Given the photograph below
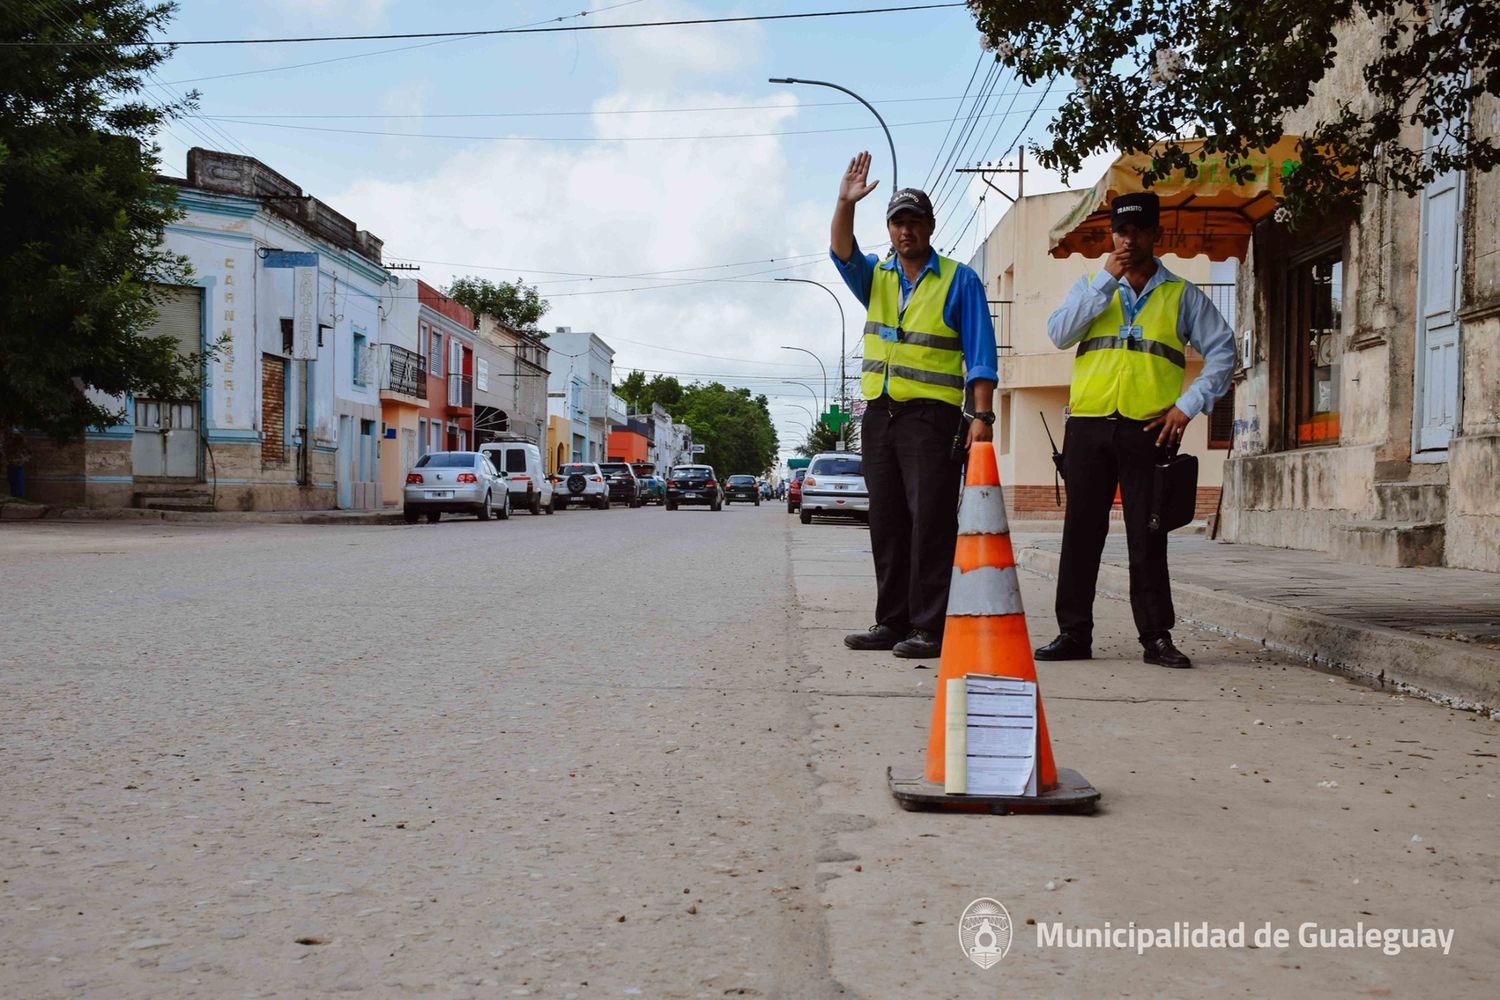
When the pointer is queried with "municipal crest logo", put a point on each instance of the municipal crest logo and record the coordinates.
(985, 932)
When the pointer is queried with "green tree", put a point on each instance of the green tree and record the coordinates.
(82, 219)
(1149, 71)
(734, 427)
(515, 304)
(823, 438)
(641, 394)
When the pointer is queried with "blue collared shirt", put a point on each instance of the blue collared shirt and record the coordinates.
(1199, 325)
(967, 310)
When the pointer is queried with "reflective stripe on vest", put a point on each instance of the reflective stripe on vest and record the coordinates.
(1139, 377)
(925, 360)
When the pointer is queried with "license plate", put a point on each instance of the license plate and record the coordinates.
(440, 494)
(690, 495)
(841, 486)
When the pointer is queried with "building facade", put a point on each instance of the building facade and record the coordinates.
(289, 296)
(510, 384)
(1367, 410)
(446, 328)
(1025, 284)
(578, 389)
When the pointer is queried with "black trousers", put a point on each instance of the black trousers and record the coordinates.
(913, 481)
(1100, 453)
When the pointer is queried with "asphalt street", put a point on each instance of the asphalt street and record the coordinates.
(623, 753)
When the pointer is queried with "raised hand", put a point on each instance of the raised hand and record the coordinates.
(855, 184)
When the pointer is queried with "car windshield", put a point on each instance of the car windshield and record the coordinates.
(691, 472)
(644, 471)
(617, 469)
(840, 466)
(576, 470)
(741, 480)
(447, 460)
(800, 475)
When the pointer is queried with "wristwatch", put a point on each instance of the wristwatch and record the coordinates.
(984, 416)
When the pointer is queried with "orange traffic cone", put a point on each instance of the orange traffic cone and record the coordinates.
(986, 634)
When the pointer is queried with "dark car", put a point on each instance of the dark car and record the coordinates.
(694, 484)
(742, 488)
(794, 490)
(620, 478)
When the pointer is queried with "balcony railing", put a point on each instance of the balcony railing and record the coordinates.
(460, 392)
(1000, 310)
(403, 371)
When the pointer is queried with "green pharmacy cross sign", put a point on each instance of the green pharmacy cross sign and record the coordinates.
(835, 418)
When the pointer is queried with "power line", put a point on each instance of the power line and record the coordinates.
(491, 32)
(382, 52)
(601, 113)
(578, 138)
(927, 179)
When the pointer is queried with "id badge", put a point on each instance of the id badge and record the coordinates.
(889, 333)
(1132, 331)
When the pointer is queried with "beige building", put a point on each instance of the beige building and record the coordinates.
(1367, 414)
(1025, 285)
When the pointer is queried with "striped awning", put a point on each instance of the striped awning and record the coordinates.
(1210, 215)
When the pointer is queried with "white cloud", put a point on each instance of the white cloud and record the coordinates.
(360, 12)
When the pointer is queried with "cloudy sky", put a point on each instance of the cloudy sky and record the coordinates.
(649, 181)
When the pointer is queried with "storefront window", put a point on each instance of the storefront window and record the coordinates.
(1314, 320)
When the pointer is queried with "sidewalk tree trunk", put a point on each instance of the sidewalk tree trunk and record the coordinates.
(82, 220)
(1145, 72)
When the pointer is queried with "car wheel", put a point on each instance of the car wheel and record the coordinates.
(409, 516)
(670, 505)
(486, 509)
(805, 516)
(791, 508)
(556, 505)
(433, 517)
(757, 503)
(535, 506)
(716, 505)
(504, 511)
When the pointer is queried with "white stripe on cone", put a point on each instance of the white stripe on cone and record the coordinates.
(987, 590)
(982, 512)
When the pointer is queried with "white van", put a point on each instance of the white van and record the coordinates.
(530, 489)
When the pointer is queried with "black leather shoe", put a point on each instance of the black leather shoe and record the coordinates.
(1161, 652)
(1065, 647)
(876, 637)
(919, 645)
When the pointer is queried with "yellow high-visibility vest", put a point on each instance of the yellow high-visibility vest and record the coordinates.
(920, 356)
(1134, 369)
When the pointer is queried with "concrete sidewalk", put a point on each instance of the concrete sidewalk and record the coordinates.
(1428, 631)
(20, 510)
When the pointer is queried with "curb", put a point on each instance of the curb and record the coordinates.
(1454, 674)
(43, 512)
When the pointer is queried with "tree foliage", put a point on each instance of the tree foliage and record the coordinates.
(824, 438)
(82, 219)
(641, 393)
(1150, 71)
(516, 304)
(734, 426)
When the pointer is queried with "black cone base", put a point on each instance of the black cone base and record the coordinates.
(1073, 794)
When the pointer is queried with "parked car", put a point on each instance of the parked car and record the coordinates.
(452, 482)
(580, 483)
(521, 461)
(835, 486)
(694, 484)
(794, 490)
(742, 488)
(620, 478)
(653, 487)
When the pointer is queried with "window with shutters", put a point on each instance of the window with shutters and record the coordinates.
(286, 336)
(1221, 421)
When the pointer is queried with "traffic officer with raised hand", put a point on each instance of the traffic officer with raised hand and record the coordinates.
(1130, 324)
(928, 334)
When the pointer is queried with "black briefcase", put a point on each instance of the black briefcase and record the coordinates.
(1174, 491)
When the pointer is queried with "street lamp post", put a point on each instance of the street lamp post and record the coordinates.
(803, 385)
(820, 367)
(895, 186)
(843, 326)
